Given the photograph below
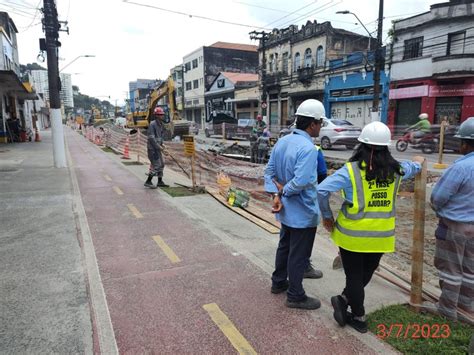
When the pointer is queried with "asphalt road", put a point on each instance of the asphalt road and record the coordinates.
(340, 152)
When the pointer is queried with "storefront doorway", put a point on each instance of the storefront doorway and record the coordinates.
(449, 108)
(407, 113)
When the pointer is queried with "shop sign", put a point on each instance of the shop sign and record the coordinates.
(409, 92)
(452, 90)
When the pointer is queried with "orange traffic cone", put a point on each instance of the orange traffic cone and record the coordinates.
(37, 136)
(126, 153)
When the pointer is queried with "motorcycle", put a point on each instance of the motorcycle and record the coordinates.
(428, 143)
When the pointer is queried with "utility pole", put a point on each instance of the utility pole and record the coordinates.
(378, 66)
(51, 28)
(262, 36)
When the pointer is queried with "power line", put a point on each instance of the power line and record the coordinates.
(192, 15)
(291, 13)
(322, 8)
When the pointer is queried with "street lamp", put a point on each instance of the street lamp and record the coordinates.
(346, 12)
(80, 56)
(378, 58)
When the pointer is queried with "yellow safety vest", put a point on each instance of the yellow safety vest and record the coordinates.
(368, 224)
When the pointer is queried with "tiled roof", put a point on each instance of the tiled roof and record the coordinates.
(240, 77)
(238, 46)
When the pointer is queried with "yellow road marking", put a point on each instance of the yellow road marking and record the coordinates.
(117, 190)
(230, 331)
(166, 249)
(134, 210)
(107, 177)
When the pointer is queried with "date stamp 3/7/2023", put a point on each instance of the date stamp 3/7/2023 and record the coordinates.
(413, 331)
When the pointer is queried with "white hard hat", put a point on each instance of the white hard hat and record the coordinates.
(375, 133)
(311, 108)
(423, 116)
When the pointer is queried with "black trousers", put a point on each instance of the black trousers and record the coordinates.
(294, 250)
(359, 268)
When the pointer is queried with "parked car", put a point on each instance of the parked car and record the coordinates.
(338, 132)
(214, 127)
(333, 132)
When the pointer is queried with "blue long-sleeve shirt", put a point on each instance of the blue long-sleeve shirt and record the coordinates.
(294, 163)
(341, 180)
(453, 195)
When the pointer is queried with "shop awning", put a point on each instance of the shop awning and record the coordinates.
(11, 84)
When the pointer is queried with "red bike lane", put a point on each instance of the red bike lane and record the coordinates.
(161, 270)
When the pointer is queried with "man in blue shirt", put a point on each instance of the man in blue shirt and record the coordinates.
(291, 176)
(452, 200)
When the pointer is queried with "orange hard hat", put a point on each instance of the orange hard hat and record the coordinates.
(158, 111)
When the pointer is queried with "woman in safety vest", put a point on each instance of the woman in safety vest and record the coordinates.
(365, 226)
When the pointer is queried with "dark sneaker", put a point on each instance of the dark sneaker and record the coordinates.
(340, 309)
(149, 184)
(161, 184)
(308, 303)
(279, 289)
(360, 326)
(312, 273)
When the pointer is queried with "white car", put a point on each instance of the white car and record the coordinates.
(338, 132)
(121, 121)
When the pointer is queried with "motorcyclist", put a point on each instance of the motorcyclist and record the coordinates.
(420, 129)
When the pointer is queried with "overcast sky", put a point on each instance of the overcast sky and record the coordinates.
(130, 41)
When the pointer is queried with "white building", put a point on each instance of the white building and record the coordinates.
(39, 80)
(15, 112)
(202, 66)
(433, 65)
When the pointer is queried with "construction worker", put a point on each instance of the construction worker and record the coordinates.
(310, 272)
(259, 126)
(365, 226)
(421, 128)
(291, 178)
(263, 146)
(155, 147)
(452, 200)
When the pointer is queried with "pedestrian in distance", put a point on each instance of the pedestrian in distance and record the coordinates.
(291, 178)
(155, 148)
(452, 200)
(259, 126)
(365, 226)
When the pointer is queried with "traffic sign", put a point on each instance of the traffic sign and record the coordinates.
(264, 105)
(189, 147)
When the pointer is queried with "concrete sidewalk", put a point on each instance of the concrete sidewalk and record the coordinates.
(52, 293)
(45, 305)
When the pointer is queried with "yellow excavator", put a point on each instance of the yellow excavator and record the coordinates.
(174, 123)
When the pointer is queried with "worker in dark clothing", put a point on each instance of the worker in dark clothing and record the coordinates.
(155, 147)
(263, 146)
(259, 126)
(311, 272)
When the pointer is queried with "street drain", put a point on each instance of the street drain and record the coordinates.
(8, 170)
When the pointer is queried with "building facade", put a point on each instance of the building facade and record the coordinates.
(294, 63)
(202, 66)
(349, 89)
(39, 80)
(138, 93)
(221, 95)
(16, 112)
(432, 66)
